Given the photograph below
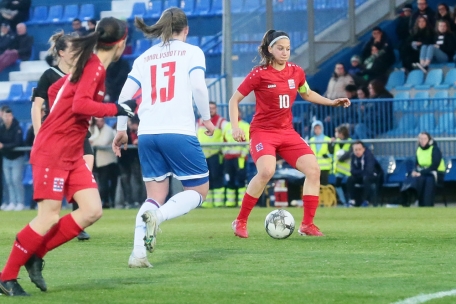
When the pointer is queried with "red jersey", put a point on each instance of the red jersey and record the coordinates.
(275, 93)
(59, 143)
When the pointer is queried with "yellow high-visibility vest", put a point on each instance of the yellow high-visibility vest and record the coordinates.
(342, 167)
(215, 138)
(424, 158)
(324, 163)
(228, 137)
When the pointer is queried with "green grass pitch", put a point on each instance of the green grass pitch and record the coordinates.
(370, 255)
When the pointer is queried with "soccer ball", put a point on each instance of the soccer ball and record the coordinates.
(279, 224)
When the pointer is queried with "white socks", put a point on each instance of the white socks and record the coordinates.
(139, 250)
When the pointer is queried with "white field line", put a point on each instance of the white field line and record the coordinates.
(427, 297)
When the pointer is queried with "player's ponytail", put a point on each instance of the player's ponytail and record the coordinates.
(172, 21)
(58, 42)
(108, 33)
(266, 42)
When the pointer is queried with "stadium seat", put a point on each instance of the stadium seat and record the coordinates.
(395, 79)
(450, 175)
(321, 4)
(414, 78)
(208, 42)
(141, 45)
(217, 8)
(188, 6)
(449, 81)
(25, 125)
(193, 40)
(420, 101)
(401, 102)
(441, 101)
(28, 176)
(203, 7)
(445, 124)
(154, 11)
(28, 90)
(70, 12)
(55, 14)
(87, 12)
(298, 5)
(433, 78)
(39, 15)
(426, 123)
(395, 171)
(406, 123)
(139, 9)
(236, 6)
(283, 6)
(16, 92)
(171, 3)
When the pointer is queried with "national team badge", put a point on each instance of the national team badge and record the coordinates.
(58, 184)
(291, 84)
(259, 147)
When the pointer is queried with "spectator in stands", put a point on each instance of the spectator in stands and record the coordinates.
(422, 34)
(442, 49)
(11, 136)
(339, 80)
(20, 48)
(443, 13)
(323, 151)
(356, 70)
(379, 115)
(105, 162)
(116, 75)
(341, 159)
(376, 65)
(78, 29)
(403, 24)
(15, 11)
(428, 171)
(91, 24)
(362, 93)
(381, 40)
(423, 11)
(351, 91)
(366, 171)
(6, 37)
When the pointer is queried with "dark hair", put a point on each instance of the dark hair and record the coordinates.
(365, 91)
(93, 21)
(108, 32)
(350, 88)
(378, 86)
(77, 20)
(428, 135)
(172, 20)
(6, 109)
(377, 28)
(266, 57)
(212, 103)
(135, 119)
(447, 25)
(335, 74)
(358, 142)
(427, 29)
(58, 42)
(342, 129)
(446, 7)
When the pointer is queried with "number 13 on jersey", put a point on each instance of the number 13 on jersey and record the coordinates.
(166, 70)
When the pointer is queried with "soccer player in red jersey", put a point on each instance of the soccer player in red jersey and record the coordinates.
(275, 84)
(58, 167)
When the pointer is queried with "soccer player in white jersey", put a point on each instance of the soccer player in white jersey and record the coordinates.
(169, 74)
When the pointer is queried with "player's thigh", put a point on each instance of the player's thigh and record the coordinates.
(152, 161)
(264, 143)
(49, 183)
(79, 179)
(293, 147)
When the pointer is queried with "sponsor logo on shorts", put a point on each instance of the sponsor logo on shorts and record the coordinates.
(259, 147)
(58, 184)
(291, 84)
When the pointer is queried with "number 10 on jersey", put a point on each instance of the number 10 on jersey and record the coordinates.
(284, 101)
(167, 93)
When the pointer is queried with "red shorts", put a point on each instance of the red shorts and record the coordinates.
(54, 184)
(287, 143)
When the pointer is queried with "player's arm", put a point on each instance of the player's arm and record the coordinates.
(131, 86)
(233, 106)
(37, 104)
(201, 97)
(313, 97)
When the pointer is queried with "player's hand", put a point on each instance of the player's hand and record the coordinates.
(238, 134)
(341, 102)
(126, 108)
(210, 128)
(120, 140)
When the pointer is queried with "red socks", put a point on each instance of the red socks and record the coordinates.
(27, 242)
(248, 202)
(310, 207)
(65, 230)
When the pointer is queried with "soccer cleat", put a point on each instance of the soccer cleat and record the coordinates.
(309, 230)
(240, 228)
(83, 236)
(35, 266)
(12, 288)
(150, 239)
(134, 262)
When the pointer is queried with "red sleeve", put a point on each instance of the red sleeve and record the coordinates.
(250, 82)
(54, 89)
(88, 87)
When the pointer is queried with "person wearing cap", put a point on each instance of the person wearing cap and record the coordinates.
(6, 37)
(356, 70)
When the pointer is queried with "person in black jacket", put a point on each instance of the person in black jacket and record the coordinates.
(422, 34)
(6, 37)
(20, 48)
(366, 171)
(381, 40)
(13, 161)
(15, 11)
(423, 11)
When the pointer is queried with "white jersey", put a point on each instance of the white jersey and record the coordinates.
(163, 72)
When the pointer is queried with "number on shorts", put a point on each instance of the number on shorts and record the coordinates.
(166, 94)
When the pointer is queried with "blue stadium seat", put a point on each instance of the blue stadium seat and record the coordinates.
(414, 78)
(420, 101)
(441, 101)
(433, 78)
(193, 40)
(298, 5)
(70, 12)
(395, 79)
(321, 4)
(445, 124)
(188, 6)
(25, 125)
(141, 45)
(405, 124)
(283, 6)
(28, 90)
(395, 171)
(154, 10)
(55, 14)
(16, 92)
(39, 15)
(450, 175)
(236, 6)
(87, 12)
(426, 123)
(203, 7)
(171, 3)
(208, 42)
(28, 176)
(449, 81)
(139, 9)
(401, 102)
(217, 8)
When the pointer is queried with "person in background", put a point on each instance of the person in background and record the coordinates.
(379, 116)
(356, 70)
(6, 37)
(422, 34)
(362, 93)
(339, 80)
(341, 160)
(105, 162)
(323, 151)
(443, 13)
(234, 163)
(366, 171)
(11, 137)
(423, 11)
(20, 48)
(15, 11)
(380, 39)
(78, 29)
(214, 158)
(91, 24)
(116, 75)
(403, 24)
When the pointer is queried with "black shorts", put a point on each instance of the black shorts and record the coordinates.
(87, 146)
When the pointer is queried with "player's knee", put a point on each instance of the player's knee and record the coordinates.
(313, 172)
(93, 214)
(266, 174)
